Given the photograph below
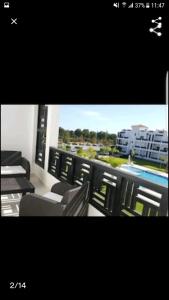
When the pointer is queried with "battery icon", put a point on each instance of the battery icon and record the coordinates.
(147, 5)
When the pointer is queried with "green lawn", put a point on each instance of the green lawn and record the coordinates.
(150, 165)
(117, 161)
(114, 161)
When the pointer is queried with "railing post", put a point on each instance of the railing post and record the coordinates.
(164, 205)
(119, 193)
(92, 170)
(59, 165)
(72, 173)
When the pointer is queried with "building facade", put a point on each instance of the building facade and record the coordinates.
(146, 144)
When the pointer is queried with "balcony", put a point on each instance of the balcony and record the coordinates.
(112, 192)
(120, 143)
(156, 149)
(164, 150)
(157, 141)
(123, 137)
(154, 158)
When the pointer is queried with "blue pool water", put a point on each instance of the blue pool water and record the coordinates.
(147, 175)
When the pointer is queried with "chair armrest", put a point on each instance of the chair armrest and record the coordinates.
(36, 205)
(26, 165)
(62, 187)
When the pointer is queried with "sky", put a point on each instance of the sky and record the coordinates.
(112, 118)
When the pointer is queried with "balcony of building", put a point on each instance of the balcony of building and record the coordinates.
(122, 143)
(123, 135)
(160, 138)
(155, 148)
(164, 150)
(33, 131)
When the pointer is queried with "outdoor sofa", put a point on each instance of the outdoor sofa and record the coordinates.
(14, 165)
(63, 200)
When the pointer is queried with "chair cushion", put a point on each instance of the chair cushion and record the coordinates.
(9, 170)
(10, 158)
(62, 187)
(68, 196)
(53, 196)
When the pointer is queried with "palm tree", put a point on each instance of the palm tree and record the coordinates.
(133, 153)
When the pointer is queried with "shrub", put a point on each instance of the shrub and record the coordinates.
(90, 153)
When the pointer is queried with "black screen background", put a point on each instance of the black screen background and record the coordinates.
(73, 52)
(79, 52)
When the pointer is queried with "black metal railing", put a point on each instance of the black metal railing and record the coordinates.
(112, 191)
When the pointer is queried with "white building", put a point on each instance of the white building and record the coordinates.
(147, 144)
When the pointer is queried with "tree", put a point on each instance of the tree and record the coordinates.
(86, 134)
(61, 132)
(81, 152)
(105, 150)
(66, 137)
(78, 133)
(112, 138)
(93, 137)
(72, 134)
(68, 148)
(115, 150)
(91, 153)
(101, 135)
(133, 153)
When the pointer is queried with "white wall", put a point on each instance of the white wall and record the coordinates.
(19, 132)
(166, 127)
(17, 123)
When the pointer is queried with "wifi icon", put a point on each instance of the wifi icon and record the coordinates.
(124, 4)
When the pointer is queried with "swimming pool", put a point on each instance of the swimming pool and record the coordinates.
(145, 174)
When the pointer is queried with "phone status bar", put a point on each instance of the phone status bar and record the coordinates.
(138, 5)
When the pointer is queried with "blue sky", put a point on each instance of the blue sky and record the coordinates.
(112, 118)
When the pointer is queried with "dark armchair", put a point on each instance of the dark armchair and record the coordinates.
(26, 165)
(73, 203)
(14, 165)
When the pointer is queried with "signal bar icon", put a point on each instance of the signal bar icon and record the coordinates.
(131, 5)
